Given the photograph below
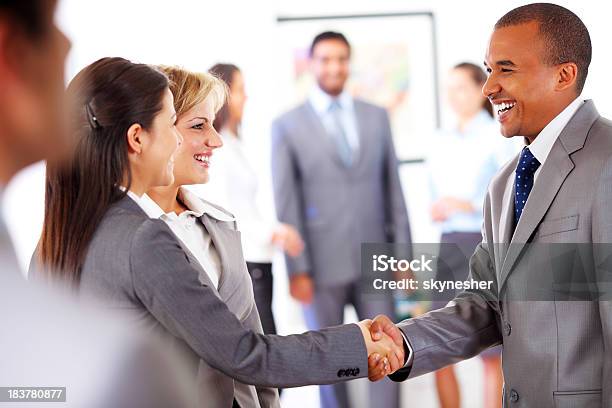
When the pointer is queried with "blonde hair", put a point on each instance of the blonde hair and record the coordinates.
(191, 88)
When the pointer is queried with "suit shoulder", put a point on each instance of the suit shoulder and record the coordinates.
(218, 207)
(604, 126)
(291, 115)
(363, 104)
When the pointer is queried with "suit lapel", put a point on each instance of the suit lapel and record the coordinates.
(362, 127)
(202, 274)
(227, 243)
(507, 213)
(314, 122)
(554, 171)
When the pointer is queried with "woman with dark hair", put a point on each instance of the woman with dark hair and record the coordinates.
(462, 160)
(122, 122)
(99, 235)
(233, 185)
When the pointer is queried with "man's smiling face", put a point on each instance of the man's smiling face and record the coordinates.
(521, 85)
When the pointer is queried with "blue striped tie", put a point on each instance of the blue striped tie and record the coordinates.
(523, 181)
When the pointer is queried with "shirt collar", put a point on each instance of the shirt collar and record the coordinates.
(195, 205)
(543, 143)
(147, 205)
(321, 101)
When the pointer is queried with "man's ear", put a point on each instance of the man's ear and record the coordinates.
(134, 138)
(567, 75)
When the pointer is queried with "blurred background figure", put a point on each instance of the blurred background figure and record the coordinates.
(459, 180)
(233, 185)
(335, 177)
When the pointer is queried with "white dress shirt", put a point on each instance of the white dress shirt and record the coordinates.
(233, 185)
(188, 228)
(322, 102)
(543, 143)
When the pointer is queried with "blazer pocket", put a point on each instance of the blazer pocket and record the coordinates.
(558, 225)
(574, 399)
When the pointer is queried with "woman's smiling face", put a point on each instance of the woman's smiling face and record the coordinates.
(200, 139)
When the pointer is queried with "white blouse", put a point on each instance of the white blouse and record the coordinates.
(190, 230)
(233, 185)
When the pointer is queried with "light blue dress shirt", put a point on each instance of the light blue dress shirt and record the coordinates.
(321, 103)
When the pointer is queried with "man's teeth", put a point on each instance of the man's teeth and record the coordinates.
(202, 158)
(502, 107)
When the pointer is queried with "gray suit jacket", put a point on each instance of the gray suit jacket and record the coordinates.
(137, 263)
(556, 353)
(102, 362)
(336, 208)
(236, 290)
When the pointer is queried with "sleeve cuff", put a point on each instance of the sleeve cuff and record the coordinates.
(408, 348)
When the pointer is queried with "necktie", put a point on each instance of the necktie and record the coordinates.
(523, 181)
(338, 134)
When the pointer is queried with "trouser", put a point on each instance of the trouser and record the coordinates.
(261, 275)
(327, 309)
(263, 283)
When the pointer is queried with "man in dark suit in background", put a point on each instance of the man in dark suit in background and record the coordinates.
(335, 177)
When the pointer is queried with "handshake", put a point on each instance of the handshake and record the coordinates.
(385, 346)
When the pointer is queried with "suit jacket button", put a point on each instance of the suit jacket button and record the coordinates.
(507, 329)
(257, 273)
(514, 397)
(341, 373)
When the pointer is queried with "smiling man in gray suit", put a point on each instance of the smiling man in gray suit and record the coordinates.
(556, 194)
(336, 180)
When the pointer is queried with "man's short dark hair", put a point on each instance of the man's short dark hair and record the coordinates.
(28, 15)
(329, 35)
(565, 37)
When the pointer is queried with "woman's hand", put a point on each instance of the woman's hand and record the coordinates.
(289, 239)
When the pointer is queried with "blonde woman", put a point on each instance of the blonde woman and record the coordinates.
(211, 242)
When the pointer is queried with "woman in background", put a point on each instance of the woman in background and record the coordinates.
(101, 237)
(462, 161)
(233, 185)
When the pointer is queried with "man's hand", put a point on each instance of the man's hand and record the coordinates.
(384, 355)
(380, 328)
(301, 288)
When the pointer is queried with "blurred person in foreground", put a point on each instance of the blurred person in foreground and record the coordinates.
(459, 180)
(49, 339)
(335, 176)
(555, 194)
